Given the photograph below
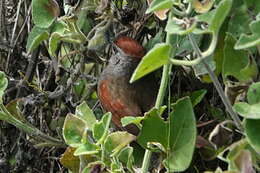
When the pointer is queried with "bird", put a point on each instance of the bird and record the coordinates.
(116, 94)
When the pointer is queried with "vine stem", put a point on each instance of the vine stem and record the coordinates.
(217, 85)
(159, 99)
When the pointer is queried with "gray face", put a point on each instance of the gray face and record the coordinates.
(122, 65)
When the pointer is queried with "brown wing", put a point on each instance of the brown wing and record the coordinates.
(147, 89)
(118, 102)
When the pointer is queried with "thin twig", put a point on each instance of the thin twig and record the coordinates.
(13, 34)
(217, 85)
(23, 26)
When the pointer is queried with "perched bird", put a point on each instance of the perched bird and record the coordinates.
(115, 92)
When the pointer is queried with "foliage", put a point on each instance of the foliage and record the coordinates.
(110, 149)
(208, 40)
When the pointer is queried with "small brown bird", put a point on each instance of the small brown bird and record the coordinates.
(115, 92)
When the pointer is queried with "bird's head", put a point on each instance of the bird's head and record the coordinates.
(129, 47)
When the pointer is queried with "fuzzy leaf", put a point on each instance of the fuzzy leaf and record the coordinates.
(126, 157)
(86, 114)
(131, 120)
(53, 43)
(174, 27)
(157, 5)
(44, 12)
(117, 141)
(36, 36)
(202, 7)
(246, 41)
(73, 130)
(237, 63)
(86, 149)
(101, 128)
(248, 111)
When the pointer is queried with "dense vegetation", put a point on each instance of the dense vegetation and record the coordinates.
(204, 54)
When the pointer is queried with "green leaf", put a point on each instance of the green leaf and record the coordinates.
(73, 130)
(159, 5)
(202, 7)
(248, 111)
(239, 13)
(36, 36)
(53, 43)
(86, 114)
(182, 136)
(86, 149)
(174, 26)
(100, 129)
(154, 129)
(3, 85)
(56, 37)
(162, 109)
(116, 141)
(253, 6)
(214, 18)
(59, 27)
(246, 41)
(180, 143)
(207, 17)
(153, 60)
(99, 41)
(197, 96)
(252, 129)
(84, 22)
(126, 157)
(237, 63)
(221, 13)
(116, 167)
(253, 94)
(132, 120)
(73, 37)
(44, 12)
